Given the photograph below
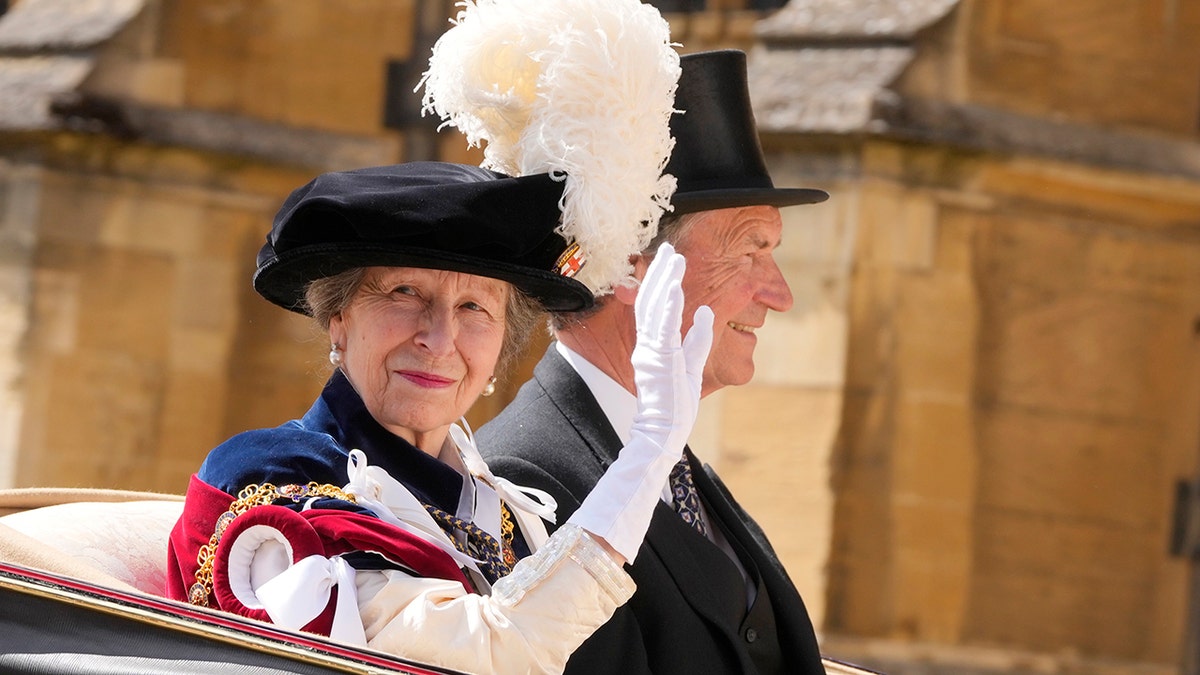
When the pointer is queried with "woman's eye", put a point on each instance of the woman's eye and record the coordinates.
(404, 290)
(473, 306)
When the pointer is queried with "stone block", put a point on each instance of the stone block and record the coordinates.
(188, 171)
(55, 309)
(160, 82)
(1052, 585)
(73, 208)
(205, 296)
(15, 287)
(101, 424)
(741, 24)
(819, 234)
(1159, 204)
(1102, 63)
(134, 77)
(860, 581)
(193, 411)
(154, 223)
(900, 226)
(196, 350)
(1062, 328)
(930, 578)
(934, 456)
(959, 220)
(268, 399)
(124, 299)
(780, 474)
(1072, 467)
(872, 301)
(312, 64)
(933, 492)
(936, 336)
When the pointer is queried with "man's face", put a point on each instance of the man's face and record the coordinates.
(731, 268)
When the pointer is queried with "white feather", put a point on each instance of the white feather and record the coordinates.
(577, 88)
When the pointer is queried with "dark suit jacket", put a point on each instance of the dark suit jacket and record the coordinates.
(689, 612)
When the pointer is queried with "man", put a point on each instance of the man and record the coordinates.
(712, 595)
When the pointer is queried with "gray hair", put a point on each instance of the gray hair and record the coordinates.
(325, 297)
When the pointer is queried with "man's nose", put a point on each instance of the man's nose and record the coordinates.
(775, 292)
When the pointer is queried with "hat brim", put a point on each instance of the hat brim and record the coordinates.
(282, 280)
(711, 200)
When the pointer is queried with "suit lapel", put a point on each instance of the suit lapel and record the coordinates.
(567, 391)
(694, 563)
(739, 528)
(706, 578)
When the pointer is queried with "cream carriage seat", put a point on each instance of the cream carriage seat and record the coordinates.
(115, 538)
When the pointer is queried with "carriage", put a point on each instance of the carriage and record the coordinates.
(82, 582)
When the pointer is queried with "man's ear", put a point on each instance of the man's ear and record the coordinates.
(626, 291)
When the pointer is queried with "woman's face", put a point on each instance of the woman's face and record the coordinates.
(420, 345)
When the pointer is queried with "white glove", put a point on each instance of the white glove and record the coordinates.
(668, 374)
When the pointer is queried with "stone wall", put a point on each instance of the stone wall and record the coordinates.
(145, 346)
(1021, 397)
(1023, 372)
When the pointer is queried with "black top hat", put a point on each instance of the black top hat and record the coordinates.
(717, 159)
(432, 215)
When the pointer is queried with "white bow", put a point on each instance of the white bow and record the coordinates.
(391, 502)
(526, 500)
(300, 593)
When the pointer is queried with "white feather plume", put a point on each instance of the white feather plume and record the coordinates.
(576, 88)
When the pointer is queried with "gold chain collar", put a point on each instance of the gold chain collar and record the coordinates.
(250, 496)
(264, 494)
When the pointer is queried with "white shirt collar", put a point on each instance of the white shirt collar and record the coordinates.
(619, 406)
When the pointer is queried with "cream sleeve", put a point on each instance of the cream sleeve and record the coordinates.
(534, 619)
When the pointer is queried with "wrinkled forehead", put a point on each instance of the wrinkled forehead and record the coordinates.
(755, 226)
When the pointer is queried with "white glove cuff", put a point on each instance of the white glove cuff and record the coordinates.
(568, 543)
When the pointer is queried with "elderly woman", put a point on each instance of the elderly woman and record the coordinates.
(372, 518)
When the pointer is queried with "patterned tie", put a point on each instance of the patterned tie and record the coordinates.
(687, 500)
(493, 557)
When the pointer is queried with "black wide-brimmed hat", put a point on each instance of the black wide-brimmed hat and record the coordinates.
(432, 215)
(718, 160)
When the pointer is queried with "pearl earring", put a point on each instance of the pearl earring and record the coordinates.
(490, 387)
(335, 356)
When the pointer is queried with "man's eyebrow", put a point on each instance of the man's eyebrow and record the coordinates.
(757, 240)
